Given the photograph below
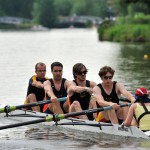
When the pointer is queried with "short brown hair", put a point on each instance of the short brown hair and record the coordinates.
(77, 69)
(103, 71)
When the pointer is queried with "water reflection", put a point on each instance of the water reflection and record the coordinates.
(77, 139)
(133, 65)
(44, 133)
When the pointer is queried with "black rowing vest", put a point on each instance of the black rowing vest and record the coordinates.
(62, 92)
(112, 97)
(83, 98)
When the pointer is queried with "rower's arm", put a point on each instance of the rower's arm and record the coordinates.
(49, 91)
(100, 100)
(78, 89)
(125, 93)
(36, 83)
(129, 118)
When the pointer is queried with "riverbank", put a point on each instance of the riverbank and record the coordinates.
(15, 26)
(126, 29)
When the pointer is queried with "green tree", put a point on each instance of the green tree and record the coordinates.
(63, 7)
(90, 7)
(44, 13)
(16, 8)
(125, 7)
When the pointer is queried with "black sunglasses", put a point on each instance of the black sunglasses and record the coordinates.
(82, 72)
(41, 70)
(107, 77)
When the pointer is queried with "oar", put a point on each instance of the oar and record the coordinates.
(58, 117)
(8, 109)
(87, 124)
(124, 99)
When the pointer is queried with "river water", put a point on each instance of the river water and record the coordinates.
(21, 50)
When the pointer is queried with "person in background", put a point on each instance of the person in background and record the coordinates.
(55, 88)
(108, 93)
(80, 92)
(35, 90)
(140, 110)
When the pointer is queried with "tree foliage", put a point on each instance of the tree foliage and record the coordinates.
(63, 7)
(125, 7)
(16, 8)
(46, 12)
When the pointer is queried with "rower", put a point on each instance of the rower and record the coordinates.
(140, 110)
(80, 92)
(108, 93)
(55, 88)
(35, 90)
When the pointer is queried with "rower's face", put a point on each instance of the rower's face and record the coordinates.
(57, 72)
(40, 71)
(107, 79)
(82, 74)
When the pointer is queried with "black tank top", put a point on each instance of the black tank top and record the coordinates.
(112, 97)
(62, 92)
(83, 98)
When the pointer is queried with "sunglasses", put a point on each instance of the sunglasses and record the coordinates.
(107, 77)
(41, 70)
(82, 72)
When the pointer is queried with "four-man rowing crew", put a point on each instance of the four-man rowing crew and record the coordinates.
(66, 120)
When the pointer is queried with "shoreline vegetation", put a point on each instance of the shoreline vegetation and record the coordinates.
(126, 29)
(131, 24)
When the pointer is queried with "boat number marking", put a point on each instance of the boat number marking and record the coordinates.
(123, 129)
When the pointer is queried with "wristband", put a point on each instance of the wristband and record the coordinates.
(87, 89)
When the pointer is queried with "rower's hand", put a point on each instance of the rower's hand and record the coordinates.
(54, 99)
(115, 106)
(40, 85)
(89, 90)
(122, 125)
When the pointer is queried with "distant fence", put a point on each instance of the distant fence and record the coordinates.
(80, 20)
(13, 20)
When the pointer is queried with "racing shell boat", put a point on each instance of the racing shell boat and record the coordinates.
(26, 117)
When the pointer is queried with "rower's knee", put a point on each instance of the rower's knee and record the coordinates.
(31, 98)
(56, 104)
(76, 104)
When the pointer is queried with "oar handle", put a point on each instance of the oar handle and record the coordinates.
(124, 99)
(39, 103)
(89, 111)
(8, 109)
(124, 105)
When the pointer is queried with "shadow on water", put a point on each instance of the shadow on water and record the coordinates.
(134, 64)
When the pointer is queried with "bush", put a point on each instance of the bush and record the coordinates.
(127, 33)
(126, 29)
